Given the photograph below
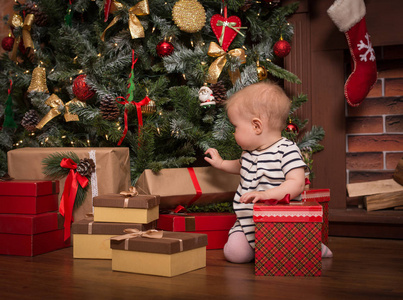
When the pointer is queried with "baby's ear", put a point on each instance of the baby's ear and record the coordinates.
(257, 125)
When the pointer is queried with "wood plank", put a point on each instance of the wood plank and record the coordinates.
(382, 201)
(373, 187)
(360, 269)
(398, 174)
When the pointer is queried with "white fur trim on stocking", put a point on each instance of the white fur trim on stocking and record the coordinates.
(346, 13)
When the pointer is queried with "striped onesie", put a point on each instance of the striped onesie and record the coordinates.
(260, 171)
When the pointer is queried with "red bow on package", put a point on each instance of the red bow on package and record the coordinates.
(285, 200)
(69, 193)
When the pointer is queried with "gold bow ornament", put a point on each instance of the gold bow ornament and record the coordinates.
(130, 193)
(17, 22)
(217, 66)
(136, 29)
(134, 233)
(56, 104)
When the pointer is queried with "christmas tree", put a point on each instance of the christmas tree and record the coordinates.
(149, 75)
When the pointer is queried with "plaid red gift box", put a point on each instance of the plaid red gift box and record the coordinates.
(322, 196)
(288, 239)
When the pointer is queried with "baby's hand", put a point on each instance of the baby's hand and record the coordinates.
(215, 159)
(252, 197)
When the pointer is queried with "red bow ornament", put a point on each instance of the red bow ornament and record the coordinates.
(69, 193)
(285, 200)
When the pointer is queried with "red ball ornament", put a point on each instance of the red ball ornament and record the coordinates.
(81, 89)
(282, 48)
(164, 48)
(291, 127)
(7, 43)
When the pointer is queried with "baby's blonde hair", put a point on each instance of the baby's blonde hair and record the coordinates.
(265, 100)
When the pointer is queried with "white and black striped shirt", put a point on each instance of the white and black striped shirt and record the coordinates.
(260, 171)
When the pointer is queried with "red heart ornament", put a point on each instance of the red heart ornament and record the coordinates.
(229, 34)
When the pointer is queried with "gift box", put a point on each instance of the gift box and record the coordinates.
(92, 239)
(141, 209)
(112, 173)
(30, 235)
(163, 254)
(322, 196)
(28, 196)
(215, 225)
(288, 239)
(185, 186)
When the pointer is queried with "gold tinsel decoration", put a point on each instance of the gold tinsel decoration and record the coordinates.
(38, 81)
(189, 15)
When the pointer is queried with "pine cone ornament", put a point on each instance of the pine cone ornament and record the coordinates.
(86, 167)
(41, 19)
(219, 92)
(30, 120)
(109, 108)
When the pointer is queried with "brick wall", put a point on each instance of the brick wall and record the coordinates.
(374, 130)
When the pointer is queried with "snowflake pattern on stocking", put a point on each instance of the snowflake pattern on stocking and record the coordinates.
(370, 51)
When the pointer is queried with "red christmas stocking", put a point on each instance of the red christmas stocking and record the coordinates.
(349, 17)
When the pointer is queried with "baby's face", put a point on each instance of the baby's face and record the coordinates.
(244, 134)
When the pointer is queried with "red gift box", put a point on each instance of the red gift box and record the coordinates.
(30, 235)
(31, 244)
(322, 196)
(28, 196)
(215, 225)
(288, 239)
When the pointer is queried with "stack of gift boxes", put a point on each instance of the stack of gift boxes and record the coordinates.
(123, 226)
(29, 221)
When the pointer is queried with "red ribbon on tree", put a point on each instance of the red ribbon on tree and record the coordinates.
(69, 193)
(285, 200)
(129, 100)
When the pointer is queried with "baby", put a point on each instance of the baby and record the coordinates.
(270, 166)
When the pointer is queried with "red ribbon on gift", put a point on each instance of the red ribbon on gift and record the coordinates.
(285, 200)
(196, 186)
(69, 193)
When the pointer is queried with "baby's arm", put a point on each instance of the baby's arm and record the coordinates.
(229, 166)
(294, 185)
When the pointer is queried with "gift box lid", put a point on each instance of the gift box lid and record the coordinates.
(88, 226)
(318, 195)
(196, 221)
(296, 211)
(30, 224)
(120, 201)
(168, 243)
(29, 187)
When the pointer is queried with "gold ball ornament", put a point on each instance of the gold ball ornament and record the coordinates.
(189, 15)
(261, 73)
(149, 109)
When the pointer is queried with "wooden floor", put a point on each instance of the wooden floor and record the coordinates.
(360, 269)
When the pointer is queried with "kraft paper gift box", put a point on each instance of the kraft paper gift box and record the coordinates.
(29, 235)
(288, 239)
(92, 239)
(28, 197)
(215, 225)
(112, 173)
(141, 209)
(171, 254)
(185, 186)
(322, 196)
